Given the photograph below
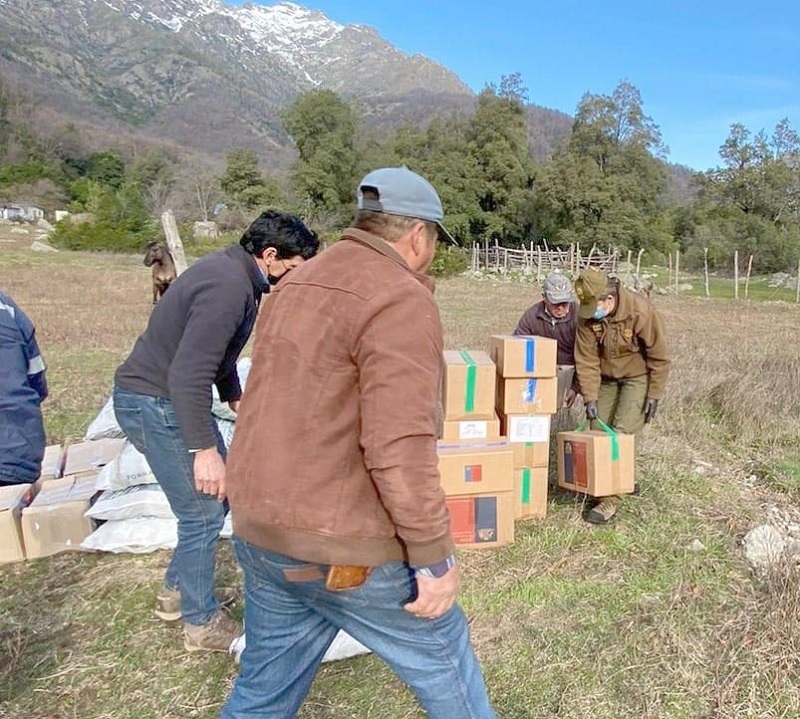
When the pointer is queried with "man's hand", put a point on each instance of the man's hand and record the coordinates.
(569, 399)
(435, 597)
(234, 405)
(650, 410)
(591, 410)
(209, 473)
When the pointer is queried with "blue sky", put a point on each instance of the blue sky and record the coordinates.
(700, 66)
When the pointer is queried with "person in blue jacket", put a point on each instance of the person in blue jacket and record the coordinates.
(23, 386)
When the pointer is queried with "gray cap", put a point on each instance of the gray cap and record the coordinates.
(557, 289)
(402, 192)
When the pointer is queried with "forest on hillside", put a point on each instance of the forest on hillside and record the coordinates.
(606, 184)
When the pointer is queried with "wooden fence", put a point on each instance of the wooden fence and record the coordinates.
(540, 259)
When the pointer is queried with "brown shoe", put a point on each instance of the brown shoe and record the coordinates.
(215, 636)
(168, 602)
(603, 512)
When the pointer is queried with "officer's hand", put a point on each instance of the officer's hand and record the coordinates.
(591, 410)
(650, 409)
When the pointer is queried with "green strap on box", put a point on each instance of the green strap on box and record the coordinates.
(472, 377)
(610, 432)
(526, 485)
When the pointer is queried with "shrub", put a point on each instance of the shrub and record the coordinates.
(449, 261)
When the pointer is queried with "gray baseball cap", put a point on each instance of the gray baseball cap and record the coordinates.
(557, 289)
(402, 192)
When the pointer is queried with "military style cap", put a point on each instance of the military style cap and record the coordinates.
(590, 287)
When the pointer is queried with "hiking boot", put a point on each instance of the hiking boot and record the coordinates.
(604, 511)
(215, 636)
(168, 602)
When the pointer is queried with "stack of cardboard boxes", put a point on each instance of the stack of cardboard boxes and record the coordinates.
(475, 463)
(47, 517)
(526, 397)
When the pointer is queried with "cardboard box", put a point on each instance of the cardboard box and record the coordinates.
(523, 356)
(459, 429)
(482, 520)
(527, 396)
(476, 467)
(53, 462)
(13, 499)
(585, 463)
(530, 493)
(55, 522)
(87, 457)
(468, 389)
(529, 435)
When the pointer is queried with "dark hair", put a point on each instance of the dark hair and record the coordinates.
(286, 233)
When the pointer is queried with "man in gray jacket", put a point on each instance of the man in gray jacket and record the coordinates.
(162, 401)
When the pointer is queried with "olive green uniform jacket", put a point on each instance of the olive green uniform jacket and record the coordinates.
(628, 343)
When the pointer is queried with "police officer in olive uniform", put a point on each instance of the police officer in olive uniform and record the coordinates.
(621, 360)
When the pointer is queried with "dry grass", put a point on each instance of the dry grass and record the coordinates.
(570, 621)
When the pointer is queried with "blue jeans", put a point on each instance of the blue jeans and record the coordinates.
(150, 425)
(291, 620)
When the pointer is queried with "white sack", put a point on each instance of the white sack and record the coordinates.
(137, 536)
(105, 424)
(342, 647)
(140, 500)
(221, 409)
(128, 469)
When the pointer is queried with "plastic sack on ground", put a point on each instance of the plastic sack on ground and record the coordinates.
(140, 500)
(342, 647)
(128, 469)
(105, 424)
(226, 429)
(136, 536)
(220, 409)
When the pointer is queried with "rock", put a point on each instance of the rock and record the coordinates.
(42, 247)
(203, 230)
(44, 225)
(696, 546)
(685, 287)
(18, 231)
(764, 546)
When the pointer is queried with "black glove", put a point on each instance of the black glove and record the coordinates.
(591, 410)
(650, 410)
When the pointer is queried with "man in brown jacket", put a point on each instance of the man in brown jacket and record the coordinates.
(621, 359)
(339, 517)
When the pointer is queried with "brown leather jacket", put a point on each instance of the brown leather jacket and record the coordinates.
(628, 343)
(334, 457)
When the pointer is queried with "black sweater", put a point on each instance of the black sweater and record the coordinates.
(193, 339)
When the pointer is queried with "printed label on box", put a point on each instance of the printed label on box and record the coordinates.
(529, 429)
(485, 519)
(575, 466)
(473, 473)
(462, 519)
(473, 430)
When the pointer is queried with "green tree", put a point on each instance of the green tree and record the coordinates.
(498, 144)
(244, 185)
(323, 128)
(605, 184)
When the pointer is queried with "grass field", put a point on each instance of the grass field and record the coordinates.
(571, 621)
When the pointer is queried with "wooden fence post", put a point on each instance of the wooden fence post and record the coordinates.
(669, 276)
(747, 279)
(797, 291)
(173, 241)
(705, 269)
(639, 262)
(736, 274)
(677, 271)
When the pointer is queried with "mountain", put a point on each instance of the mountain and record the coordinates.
(206, 76)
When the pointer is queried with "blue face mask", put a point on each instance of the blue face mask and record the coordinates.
(599, 313)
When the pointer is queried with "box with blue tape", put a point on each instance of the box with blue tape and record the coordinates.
(523, 356)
